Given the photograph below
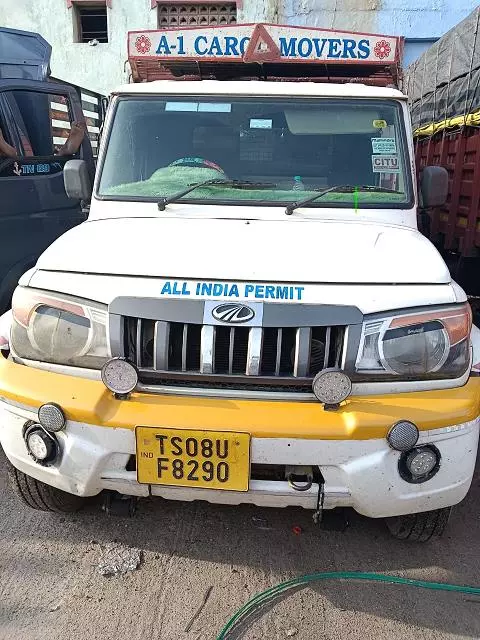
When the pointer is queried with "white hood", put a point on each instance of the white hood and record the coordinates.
(256, 250)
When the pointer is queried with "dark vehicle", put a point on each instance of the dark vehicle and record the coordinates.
(36, 114)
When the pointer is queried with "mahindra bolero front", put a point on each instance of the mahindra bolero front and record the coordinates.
(248, 316)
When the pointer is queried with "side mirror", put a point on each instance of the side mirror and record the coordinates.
(77, 180)
(434, 186)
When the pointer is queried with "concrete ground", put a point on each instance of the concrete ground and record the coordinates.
(51, 589)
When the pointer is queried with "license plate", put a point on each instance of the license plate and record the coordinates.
(191, 458)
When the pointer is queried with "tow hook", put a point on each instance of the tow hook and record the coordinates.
(299, 478)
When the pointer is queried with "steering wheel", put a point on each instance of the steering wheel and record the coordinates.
(199, 163)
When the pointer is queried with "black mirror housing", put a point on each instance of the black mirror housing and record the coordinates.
(434, 186)
(77, 180)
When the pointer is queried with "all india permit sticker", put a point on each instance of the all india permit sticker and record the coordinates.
(380, 124)
(385, 164)
(384, 145)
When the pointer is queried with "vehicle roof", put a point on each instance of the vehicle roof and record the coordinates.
(259, 88)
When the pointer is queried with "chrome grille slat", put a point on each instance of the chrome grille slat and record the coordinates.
(207, 349)
(161, 341)
(254, 353)
(279, 351)
(138, 342)
(231, 348)
(303, 340)
(184, 347)
(217, 354)
(328, 336)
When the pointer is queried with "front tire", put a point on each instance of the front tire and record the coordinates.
(419, 527)
(41, 496)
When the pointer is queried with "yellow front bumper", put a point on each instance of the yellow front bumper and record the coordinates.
(360, 418)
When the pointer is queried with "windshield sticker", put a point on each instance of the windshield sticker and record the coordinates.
(256, 123)
(214, 107)
(201, 107)
(232, 290)
(181, 106)
(384, 145)
(380, 124)
(385, 164)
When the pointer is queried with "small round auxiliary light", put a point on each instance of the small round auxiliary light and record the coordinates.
(51, 417)
(331, 386)
(40, 445)
(403, 436)
(421, 462)
(119, 376)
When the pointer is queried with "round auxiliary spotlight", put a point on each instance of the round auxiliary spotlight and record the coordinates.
(51, 417)
(403, 436)
(419, 464)
(119, 376)
(331, 386)
(40, 445)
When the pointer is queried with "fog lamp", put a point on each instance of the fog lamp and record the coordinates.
(51, 417)
(403, 436)
(421, 462)
(40, 445)
(119, 376)
(331, 386)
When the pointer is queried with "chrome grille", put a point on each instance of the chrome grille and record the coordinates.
(179, 353)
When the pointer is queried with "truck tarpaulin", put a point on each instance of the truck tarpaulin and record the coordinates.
(444, 82)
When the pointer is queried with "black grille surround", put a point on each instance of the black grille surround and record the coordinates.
(266, 359)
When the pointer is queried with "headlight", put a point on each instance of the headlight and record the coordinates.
(60, 330)
(431, 344)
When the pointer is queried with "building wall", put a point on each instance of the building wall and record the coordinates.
(412, 18)
(101, 67)
(420, 21)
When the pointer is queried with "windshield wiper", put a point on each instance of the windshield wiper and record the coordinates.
(236, 184)
(346, 188)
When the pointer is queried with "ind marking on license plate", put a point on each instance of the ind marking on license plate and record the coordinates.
(192, 458)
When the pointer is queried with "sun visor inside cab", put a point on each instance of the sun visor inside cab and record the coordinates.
(328, 120)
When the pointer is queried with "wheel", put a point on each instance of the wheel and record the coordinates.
(419, 527)
(41, 496)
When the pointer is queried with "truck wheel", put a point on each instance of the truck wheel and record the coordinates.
(419, 527)
(41, 496)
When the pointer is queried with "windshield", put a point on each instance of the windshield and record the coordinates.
(286, 149)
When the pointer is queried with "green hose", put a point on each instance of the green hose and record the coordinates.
(265, 596)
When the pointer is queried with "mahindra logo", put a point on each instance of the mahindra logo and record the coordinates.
(233, 313)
